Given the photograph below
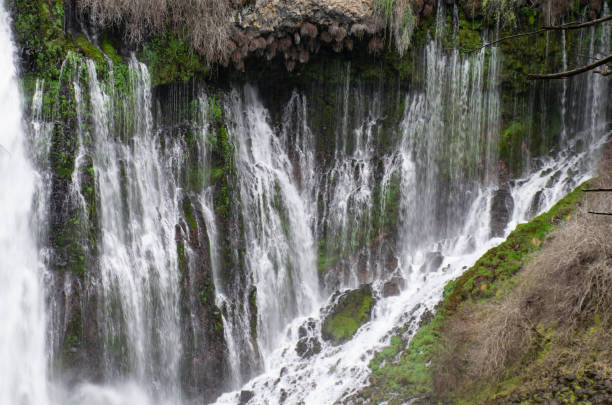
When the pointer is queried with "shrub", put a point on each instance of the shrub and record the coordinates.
(204, 23)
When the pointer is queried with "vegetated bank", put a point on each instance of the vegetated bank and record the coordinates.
(530, 322)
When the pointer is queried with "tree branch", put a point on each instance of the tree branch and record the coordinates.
(569, 26)
(576, 25)
(569, 73)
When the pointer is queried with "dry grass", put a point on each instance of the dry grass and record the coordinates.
(559, 296)
(204, 23)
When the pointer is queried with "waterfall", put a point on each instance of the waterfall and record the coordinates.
(280, 254)
(23, 357)
(138, 262)
(443, 160)
(107, 268)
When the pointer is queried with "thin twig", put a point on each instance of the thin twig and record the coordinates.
(568, 26)
(600, 213)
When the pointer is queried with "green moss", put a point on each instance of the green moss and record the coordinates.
(171, 59)
(187, 211)
(352, 310)
(38, 27)
(110, 51)
(89, 50)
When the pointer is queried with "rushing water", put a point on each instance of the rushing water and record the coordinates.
(318, 207)
(23, 356)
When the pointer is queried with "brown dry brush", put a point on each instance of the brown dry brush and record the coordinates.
(204, 23)
(561, 292)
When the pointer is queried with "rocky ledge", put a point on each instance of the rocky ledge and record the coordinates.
(296, 29)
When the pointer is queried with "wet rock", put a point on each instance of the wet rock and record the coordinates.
(433, 261)
(308, 347)
(257, 44)
(340, 34)
(417, 6)
(284, 44)
(471, 8)
(375, 46)
(426, 318)
(309, 30)
(536, 203)
(358, 30)
(296, 38)
(348, 311)
(290, 65)
(427, 10)
(271, 50)
(502, 205)
(237, 59)
(349, 44)
(393, 287)
(245, 396)
(303, 56)
(326, 37)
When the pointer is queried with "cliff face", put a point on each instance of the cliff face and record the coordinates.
(321, 51)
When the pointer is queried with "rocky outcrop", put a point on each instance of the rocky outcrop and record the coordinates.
(347, 313)
(294, 30)
(502, 205)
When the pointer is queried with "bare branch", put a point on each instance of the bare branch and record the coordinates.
(576, 25)
(570, 73)
(569, 26)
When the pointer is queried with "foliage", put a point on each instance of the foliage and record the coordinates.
(171, 59)
(400, 21)
(203, 24)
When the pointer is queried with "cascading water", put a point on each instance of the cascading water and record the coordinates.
(23, 356)
(446, 165)
(322, 203)
(280, 249)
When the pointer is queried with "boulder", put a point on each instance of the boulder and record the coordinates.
(502, 206)
(393, 287)
(309, 30)
(308, 347)
(433, 261)
(348, 311)
(245, 396)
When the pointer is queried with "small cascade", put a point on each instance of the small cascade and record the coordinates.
(23, 355)
(139, 283)
(280, 256)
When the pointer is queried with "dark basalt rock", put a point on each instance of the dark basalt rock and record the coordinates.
(308, 347)
(245, 396)
(433, 261)
(535, 204)
(393, 287)
(501, 211)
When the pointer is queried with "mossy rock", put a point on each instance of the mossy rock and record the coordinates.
(350, 310)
